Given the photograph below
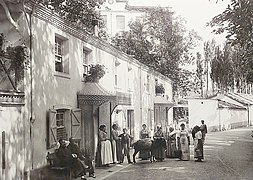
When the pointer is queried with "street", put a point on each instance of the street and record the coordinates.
(228, 155)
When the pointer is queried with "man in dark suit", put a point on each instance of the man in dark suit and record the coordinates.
(74, 149)
(69, 159)
(203, 130)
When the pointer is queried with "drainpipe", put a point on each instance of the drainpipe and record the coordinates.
(248, 116)
(140, 97)
(31, 91)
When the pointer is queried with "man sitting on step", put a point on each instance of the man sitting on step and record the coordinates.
(73, 147)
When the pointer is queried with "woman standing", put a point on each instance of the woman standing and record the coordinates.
(171, 146)
(104, 148)
(159, 144)
(198, 145)
(116, 147)
(183, 143)
(144, 135)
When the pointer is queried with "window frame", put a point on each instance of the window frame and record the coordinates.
(118, 23)
(58, 53)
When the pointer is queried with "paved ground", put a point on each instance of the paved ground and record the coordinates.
(228, 155)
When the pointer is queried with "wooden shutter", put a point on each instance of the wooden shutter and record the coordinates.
(52, 129)
(76, 123)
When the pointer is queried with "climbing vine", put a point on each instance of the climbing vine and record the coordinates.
(14, 59)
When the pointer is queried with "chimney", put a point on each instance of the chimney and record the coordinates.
(95, 26)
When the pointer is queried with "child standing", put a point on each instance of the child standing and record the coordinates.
(125, 144)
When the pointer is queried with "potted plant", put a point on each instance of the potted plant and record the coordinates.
(95, 73)
(159, 89)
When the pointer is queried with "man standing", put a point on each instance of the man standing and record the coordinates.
(203, 130)
(125, 143)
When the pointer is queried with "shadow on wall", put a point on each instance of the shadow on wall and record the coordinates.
(16, 143)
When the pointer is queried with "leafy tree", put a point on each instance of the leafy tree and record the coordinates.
(222, 68)
(237, 22)
(199, 74)
(160, 41)
(209, 51)
(80, 12)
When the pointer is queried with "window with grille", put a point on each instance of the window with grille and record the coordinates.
(60, 124)
(58, 54)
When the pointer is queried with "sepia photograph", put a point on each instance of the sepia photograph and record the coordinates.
(126, 89)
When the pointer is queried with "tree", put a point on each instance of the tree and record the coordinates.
(199, 73)
(226, 68)
(160, 41)
(237, 21)
(79, 12)
(209, 51)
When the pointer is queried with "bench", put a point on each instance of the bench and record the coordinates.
(54, 164)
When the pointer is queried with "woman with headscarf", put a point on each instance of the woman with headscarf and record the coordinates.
(159, 144)
(104, 147)
(183, 143)
(171, 143)
(145, 136)
(198, 145)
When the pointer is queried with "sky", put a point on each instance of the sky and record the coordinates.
(196, 12)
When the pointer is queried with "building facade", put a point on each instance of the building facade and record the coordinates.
(56, 102)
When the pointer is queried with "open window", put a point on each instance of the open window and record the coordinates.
(63, 124)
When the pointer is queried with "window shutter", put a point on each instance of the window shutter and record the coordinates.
(76, 123)
(52, 129)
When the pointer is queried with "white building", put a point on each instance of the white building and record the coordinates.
(55, 101)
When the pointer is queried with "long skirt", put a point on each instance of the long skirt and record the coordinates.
(198, 149)
(106, 152)
(116, 151)
(171, 149)
(184, 148)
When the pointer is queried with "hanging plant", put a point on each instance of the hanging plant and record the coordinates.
(95, 73)
(159, 89)
(15, 59)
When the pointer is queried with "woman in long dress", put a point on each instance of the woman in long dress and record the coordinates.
(171, 143)
(116, 147)
(183, 143)
(198, 145)
(145, 136)
(159, 144)
(104, 147)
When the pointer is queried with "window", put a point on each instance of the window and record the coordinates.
(104, 18)
(86, 57)
(58, 54)
(116, 80)
(148, 83)
(61, 50)
(60, 124)
(63, 123)
(120, 22)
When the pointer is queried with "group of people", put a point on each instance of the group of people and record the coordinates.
(178, 142)
(177, 145)
(112, 150)
(70, 155)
